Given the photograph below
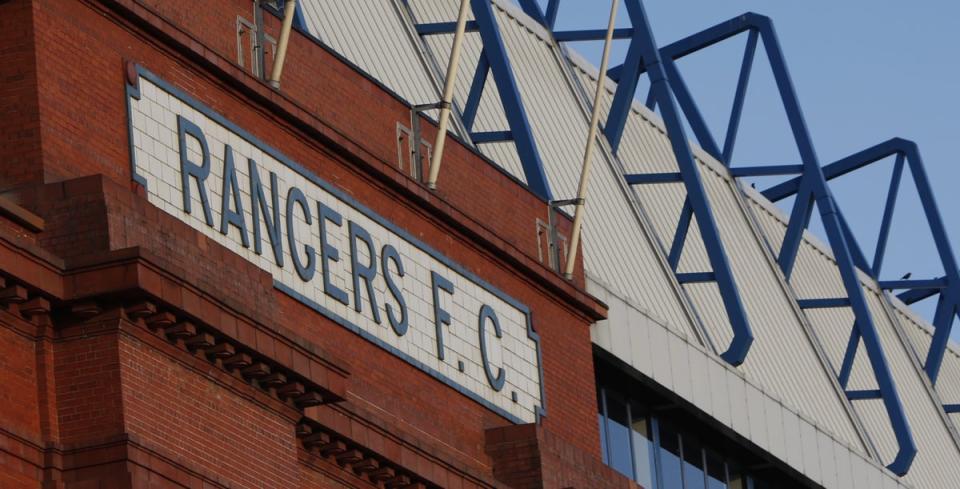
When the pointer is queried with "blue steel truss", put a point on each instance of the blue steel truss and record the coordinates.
(668, 90)
(946, 287)
(494, 60)
(643, 47)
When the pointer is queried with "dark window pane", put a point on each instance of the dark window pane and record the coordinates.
(759, 483)
(603, 438)
(642, 447)
(670, 462)
(736, 477)
(692, 463)
(618, 437)
(716, 471)
(603, 425)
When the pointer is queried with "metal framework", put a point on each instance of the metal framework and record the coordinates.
(643, 56)
(946, 287)
(668, 91)
(494, 60)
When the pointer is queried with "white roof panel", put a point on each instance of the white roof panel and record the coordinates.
(795, 355)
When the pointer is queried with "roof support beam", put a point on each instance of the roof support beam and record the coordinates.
(436, 28)
(811, 187)
(590, 35)
(643, 55)
(496, 55)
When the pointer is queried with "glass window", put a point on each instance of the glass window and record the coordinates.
(759, 484)
(643, 448)
(618, 436)
(601, 416)
(671, 474)
(735, 477)
(692, 463)
(645, 444)
(603, 439)
(716, 470)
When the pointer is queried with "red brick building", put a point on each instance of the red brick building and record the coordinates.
(139, 352)
(209, 282)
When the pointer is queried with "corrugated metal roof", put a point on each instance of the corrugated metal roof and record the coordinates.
(784, 358)
(795, 355)
(388, 53)
(733, 399)
(938, 457)
(619, 246)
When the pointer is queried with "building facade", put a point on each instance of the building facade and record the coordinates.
(207, 281)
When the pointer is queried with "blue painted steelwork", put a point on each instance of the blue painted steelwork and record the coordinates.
(696, 277)
(594, 35)
(810, 187)
(824, 303)
(948, 286)
(666, 94)
(743, 81)
(495, 60)
(864, 394)
(299, 21)
(812, 191)
(444, 28)
(476, 91)
(934, 283)
(552, 7)
(491, 136)
(646, 178)
(766, 171)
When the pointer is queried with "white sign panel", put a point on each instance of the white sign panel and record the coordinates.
(332, 253)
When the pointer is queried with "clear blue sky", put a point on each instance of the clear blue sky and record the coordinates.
(865, 71)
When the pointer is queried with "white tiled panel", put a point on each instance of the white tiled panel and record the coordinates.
(157, 158)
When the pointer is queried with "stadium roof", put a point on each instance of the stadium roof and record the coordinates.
(786, 390)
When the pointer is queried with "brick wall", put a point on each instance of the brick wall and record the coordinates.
(112, 406)
(19, 110)
(220, 434)
(18, 375)
(531, 457)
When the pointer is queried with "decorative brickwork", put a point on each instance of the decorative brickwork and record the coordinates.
(138, 352)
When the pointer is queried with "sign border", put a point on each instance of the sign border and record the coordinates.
(133, 92)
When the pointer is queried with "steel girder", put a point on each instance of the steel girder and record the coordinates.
(643, 56)
(946, 287)
(811, 191)
(495, 60)
(810, 188)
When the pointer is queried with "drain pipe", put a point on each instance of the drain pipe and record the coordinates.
(447, 100)
(588, 152)
(289, 10)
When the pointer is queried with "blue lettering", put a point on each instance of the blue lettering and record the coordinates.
(389, 253)
(190, 169)
(440, 316)
(295, 196)
(231, 191)
(329, 253)
(366, 272)
(259, 204)
(487, 312)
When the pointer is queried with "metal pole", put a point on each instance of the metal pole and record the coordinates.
(289, 10)
(591, 141)
(261, 46)
(447, 99)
